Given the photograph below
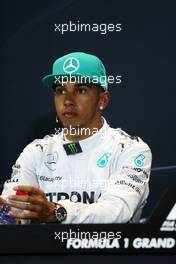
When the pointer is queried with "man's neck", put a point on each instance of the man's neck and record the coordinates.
(80, 133)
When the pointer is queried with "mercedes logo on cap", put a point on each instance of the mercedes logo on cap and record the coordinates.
(71, 65)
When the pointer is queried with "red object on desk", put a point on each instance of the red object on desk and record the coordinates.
(21, 193)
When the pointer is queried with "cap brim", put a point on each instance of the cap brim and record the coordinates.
(49, 80)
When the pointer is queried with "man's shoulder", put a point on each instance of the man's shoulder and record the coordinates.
(46, 139)
(120, 134)
(43, 143)
(127, 140)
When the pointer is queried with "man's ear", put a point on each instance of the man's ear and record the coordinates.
(104, 100)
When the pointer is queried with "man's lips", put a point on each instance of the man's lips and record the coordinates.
(69, 114)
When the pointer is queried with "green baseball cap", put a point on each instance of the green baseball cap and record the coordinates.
(85, 68)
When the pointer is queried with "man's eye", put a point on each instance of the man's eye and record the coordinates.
(82, 90)
(60, 91)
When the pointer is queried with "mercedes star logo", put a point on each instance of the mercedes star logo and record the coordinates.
(71, 65)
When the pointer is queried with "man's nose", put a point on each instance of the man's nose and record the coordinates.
(69, 99)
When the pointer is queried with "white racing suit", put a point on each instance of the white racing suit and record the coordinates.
(106, 181)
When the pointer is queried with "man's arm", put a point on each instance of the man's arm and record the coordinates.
(28, 202)
(126, 190)
(23, 172)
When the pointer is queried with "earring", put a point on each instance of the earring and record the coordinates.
(56, 120)
(101, 107)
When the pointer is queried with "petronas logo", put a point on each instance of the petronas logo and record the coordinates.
(72, 147)
(103, 160)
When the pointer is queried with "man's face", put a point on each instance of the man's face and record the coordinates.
(77, 105)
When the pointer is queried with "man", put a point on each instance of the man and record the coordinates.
(96, 174)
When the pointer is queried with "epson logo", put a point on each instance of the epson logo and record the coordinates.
(93, 243)
(73, 196)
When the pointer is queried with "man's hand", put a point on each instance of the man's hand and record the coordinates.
(35, 202)
(2, 201)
